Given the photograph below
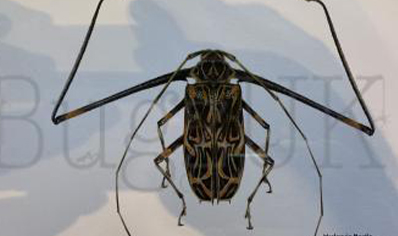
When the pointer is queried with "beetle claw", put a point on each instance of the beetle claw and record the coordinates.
(164, 185)
(269, 185)
(248, 217)
(183, 213)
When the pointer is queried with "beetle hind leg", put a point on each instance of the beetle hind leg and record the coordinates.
(268, 165)
(263, 154)
(264, 179)
(162, 157)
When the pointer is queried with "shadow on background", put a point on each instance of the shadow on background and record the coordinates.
(359, 196)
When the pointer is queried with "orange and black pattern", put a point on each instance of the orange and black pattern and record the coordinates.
(214, 140)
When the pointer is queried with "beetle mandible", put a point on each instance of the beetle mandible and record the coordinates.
(214, 138)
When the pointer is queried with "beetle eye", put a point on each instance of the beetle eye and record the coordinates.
(221, 67)
(206, 66)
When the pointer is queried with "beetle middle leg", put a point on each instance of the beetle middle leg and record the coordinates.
(162, 122)
(263, 154)
(266, 126)
(162, 157)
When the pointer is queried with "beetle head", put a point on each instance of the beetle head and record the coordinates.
(212, 67)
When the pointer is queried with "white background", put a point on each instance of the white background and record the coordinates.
(54, 183)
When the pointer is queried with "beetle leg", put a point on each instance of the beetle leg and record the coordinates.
(261, 121)
(268, 162)
(162, 122)
(266, 126)
(268, 165)
(163, 156)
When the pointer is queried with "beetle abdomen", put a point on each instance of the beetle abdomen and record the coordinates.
(214, 145)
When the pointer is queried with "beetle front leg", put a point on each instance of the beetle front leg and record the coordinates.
(162, 157)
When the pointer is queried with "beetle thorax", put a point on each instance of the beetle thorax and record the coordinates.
(212, 68)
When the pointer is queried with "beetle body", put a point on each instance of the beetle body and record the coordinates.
(214, 140)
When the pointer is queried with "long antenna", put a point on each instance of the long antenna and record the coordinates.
(77, 62)
(347, 67)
